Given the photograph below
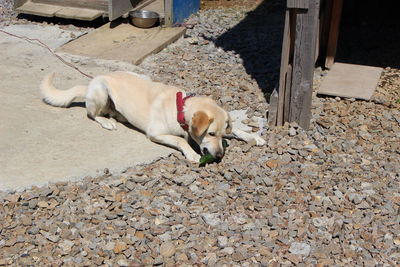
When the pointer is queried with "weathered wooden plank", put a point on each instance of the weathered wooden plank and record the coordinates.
(18, 3)
(303, 65)
(297, 4)
(333, 32)
(273, 109)
(38, 9)
(92, 4)
(286, 105)
(283, 69)
(325, 18)
(78, 13)
(123, 42)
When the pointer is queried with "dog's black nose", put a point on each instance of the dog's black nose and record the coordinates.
(205, 151)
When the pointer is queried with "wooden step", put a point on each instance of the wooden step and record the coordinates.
(48, 10)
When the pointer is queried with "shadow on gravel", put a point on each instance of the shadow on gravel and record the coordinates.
(369, 33)
(258, 41)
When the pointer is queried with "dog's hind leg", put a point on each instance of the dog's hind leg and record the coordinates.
(98, 104)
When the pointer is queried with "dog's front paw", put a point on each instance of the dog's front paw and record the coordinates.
(107, 123)
(193, 157)
(259, 140)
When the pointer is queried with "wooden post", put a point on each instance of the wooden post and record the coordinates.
(297, 63)
(284, 68)
(168, 19)
(303, 65)
(333, 32)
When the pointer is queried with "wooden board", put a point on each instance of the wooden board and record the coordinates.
(283, 69)
(303, 65)
(352, 81)
(123, 42)
(47, 10)
(38, 9)
(333, 32)
(273, 108)
(78, 13)
(92, 4)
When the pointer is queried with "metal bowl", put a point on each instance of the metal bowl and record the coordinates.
(143, 18)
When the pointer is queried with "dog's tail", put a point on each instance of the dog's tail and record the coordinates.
(60, 98)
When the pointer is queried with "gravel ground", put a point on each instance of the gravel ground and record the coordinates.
(327, 196)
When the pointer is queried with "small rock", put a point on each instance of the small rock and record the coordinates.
(222, 241)
(300, 248)
(211, 218)
(292, 131)
(109, 246)
(42, 204)
(49, 236)
(167, 249)
(33, 203)
(122, 262)
(120, 247)
(66, 246)
(26, 221)
(120, 223)
(228, 250)
(272, 163)
(185, 179)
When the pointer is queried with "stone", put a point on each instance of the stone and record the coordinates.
(185, 179)
(167, 249)
(66, 246)
(49, 236)
(42, 204)
(120, 247)
(298, 248)
(26, 221)
(211, 219)
(228, 250)
(122, 262)
(120, 223)
(110, 246)
(222, 241)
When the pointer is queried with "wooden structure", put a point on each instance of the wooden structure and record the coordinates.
(311, 30)
(171, 11)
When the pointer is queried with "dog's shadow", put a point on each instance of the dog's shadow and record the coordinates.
(77, 104)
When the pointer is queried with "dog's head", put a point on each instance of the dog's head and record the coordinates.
(208, 126)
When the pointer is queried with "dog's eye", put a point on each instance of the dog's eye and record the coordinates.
(211, 133)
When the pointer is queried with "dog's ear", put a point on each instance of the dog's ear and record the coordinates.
(200, 123)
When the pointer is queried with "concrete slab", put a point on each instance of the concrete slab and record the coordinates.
(40, 143)
(352, 81)
(123, 42)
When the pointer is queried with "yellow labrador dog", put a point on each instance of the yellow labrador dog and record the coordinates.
(165, 113)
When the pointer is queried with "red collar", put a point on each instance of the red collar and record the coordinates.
(180, 102)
